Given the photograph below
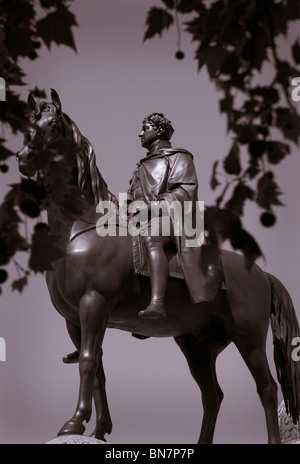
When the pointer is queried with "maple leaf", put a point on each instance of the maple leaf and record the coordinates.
(268, 192)
(226, 104)
(293, 9)
(232, 161)
(213, 57)
(12, 72)
(19, 284)
(289, 123)
(5, 153)
(56, 27)
(213, 180)
(158, 19)
(269, 94)
(284, 72)
(240, 239)
(277, 151)
(14, 112)
(43, 251)
(187, 6)
(38, 93)
(197, 27)
(48, 3)
(169, 3)
(296, 52)
(241, 193)
(253, 168)
(246, 133)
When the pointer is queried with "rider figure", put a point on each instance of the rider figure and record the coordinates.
(166, 175)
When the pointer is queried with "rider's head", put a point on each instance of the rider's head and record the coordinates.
(161, 123)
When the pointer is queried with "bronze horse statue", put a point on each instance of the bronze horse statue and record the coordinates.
(94, 287)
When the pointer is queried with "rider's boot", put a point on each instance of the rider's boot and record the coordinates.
(71, 358)
(159, 268)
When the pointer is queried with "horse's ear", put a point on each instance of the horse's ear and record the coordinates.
(31, 101)
(56, 100)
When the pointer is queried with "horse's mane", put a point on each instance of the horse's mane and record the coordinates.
(89, 176)
(88, 172)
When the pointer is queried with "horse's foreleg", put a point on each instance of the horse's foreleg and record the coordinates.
(93, 314)
(103, 420)
(201, 358)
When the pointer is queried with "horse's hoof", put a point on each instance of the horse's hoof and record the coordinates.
(72, 428)
(98, 436)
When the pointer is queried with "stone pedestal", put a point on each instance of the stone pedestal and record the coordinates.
(75, 440)
(289, 432)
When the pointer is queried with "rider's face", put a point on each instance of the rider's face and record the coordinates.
(148, 135)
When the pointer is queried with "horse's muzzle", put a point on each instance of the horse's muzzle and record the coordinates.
(25, 165)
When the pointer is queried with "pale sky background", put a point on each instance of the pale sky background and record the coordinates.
(107, 88)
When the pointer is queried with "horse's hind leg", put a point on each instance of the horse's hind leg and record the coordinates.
(93, 314)
(201, 358)
(256, 360)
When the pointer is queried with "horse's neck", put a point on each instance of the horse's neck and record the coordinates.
(65, 228)
(58, 227)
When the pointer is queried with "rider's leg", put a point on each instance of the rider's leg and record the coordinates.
(158, 273)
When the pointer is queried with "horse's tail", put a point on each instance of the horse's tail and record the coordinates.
(285, 329)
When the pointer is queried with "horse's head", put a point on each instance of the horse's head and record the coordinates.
(48, 123)
(53, 136)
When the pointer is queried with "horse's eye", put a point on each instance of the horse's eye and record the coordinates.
(53, 123)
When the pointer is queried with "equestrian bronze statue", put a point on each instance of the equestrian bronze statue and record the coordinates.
(95, 286)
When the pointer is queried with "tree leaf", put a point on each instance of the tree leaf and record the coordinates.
(38, 93)
(5, 153)
(12, 72)
(157, 21)
(232, 161)
(213, 57)
(240, 239)
(14, 112)
(285, 72)
(56, 27)
(19, 284)
(246, 133)
(197, 27)
(226, 104)
(253, 168)
(288, 122)
(255, 49)
(240, 194)
(279, 14)
(48, 3)
(277, 151)
(169, 3)
(293, 9)
(187, 6)
(269, 94)
(268, 192)
(213, 180)
(296, 52)
(43, 251)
